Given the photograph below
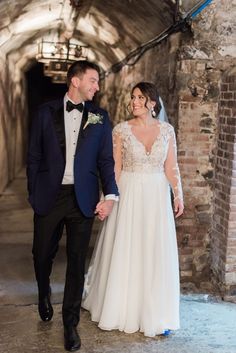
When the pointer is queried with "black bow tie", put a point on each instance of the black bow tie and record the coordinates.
(70, 106)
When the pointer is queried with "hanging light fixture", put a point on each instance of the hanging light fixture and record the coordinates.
(57, 57)
(60, 51)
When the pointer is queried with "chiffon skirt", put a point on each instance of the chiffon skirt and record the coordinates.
(133, 278)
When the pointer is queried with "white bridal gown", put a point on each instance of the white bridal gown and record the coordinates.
(133, 279)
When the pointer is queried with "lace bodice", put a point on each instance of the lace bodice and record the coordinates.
(130, 154)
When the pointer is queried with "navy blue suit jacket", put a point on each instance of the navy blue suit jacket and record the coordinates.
(46, 159)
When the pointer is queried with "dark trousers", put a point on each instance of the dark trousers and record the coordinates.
(47, 234)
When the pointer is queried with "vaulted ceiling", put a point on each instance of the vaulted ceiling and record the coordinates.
(110, 29)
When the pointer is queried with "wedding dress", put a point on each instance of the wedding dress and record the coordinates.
(133, 279)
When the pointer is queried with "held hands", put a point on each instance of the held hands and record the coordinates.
(104, 208)
(178, 206)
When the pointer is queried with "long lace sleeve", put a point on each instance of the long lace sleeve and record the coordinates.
(172, 168)
(117, 150)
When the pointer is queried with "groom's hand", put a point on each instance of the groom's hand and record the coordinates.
(104, 208)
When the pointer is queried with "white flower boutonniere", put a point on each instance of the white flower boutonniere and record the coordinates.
(93, 119)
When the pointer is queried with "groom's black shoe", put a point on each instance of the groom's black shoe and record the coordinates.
(45, 308)
(72, 339)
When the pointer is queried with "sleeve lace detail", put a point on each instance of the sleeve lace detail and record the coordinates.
(117, 149)
(172, 168)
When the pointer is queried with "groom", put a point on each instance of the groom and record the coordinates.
(70, 147)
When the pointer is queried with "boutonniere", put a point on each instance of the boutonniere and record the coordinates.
(93, 119)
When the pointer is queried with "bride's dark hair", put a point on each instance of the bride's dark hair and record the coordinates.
(149, 90)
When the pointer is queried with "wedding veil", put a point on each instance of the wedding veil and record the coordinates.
(162, 115)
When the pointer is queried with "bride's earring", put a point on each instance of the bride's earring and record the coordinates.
(153, 112)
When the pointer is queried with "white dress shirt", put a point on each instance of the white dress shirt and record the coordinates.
(72, 122)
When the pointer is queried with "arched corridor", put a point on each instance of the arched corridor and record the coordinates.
(187, 48)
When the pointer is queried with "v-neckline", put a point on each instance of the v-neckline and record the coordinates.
(148, 153)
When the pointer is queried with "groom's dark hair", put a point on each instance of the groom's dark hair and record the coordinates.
(79, 67)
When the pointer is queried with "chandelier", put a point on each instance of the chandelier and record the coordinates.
(58, 56)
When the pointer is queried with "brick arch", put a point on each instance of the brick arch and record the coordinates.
(223, 253)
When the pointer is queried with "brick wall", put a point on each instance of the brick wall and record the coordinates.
(196, 142)
(224, 219)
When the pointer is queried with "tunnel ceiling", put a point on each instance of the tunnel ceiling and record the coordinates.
(110, 29)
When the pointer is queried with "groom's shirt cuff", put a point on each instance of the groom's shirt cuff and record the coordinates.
(111, 197)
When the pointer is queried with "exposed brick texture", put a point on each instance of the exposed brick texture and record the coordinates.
(224, 217)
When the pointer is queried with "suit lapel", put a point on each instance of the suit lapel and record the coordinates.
(59, 124)
(83, 122)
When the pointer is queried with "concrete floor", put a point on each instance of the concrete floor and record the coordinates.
(207, 324)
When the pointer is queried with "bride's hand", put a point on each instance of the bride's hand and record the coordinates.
(179, 207)
(104, 208)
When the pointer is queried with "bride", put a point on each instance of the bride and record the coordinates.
(133, 279)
